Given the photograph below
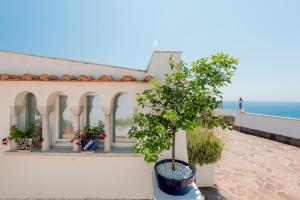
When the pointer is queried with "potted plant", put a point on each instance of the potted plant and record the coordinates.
(185, 99)
(14, 134)
(30, 139)
(89, 137)
(19, 140)
(76, 141)
(204, 149)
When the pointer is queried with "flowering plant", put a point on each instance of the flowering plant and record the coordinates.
(90, 133)
(14, 134)
(32, 131)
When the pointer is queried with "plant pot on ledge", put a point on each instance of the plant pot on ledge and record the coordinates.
(177, 184)
(27, 144)
(89, 145)
(205, 175)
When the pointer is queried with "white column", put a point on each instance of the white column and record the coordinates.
(107, 110)
(44, 111)
(76, 110)
(45, 133)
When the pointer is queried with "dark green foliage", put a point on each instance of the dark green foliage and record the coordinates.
(14, 133)
(203, 146)
(93, 132)
(31, 131)
(186, 99)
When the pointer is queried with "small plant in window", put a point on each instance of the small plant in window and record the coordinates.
(88, 137)
(14, 134)
(29, 139)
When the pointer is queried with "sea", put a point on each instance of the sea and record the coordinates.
(281, 109)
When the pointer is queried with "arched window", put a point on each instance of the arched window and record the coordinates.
(122, 118)
(65, 119)
(93, 109)
(32, 115)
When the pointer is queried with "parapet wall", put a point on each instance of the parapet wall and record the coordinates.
(282, 129)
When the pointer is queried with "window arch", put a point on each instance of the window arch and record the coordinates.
(32, 115)
(65, 118)
(93, 110)
(29, 113)
(122, 118)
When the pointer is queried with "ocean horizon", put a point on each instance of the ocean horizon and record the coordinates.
(281, 109)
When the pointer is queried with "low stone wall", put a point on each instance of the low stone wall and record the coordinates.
(271, 136)
(281, 129)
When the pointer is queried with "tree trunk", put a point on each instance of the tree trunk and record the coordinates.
(173, 152)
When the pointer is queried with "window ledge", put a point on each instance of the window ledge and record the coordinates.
(67, 151)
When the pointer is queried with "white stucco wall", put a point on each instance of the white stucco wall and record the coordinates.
(19, 64)
(225, 112)
(54, 175)
(271, 124)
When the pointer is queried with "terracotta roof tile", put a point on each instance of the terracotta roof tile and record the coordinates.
(85, 78)
(47, 77)
(29, 77)
(127, 78)
(148, 78)
(105, 78)
(67, 77)
(10, 77)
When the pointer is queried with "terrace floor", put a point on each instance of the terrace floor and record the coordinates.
(256, 168)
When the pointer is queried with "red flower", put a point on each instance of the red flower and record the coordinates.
(102, 136)
(84, 136)
(5, 141)
(40, 139)
(40, 129)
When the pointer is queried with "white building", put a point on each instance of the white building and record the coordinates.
(67, 95)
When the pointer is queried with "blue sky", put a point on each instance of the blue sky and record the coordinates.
(265, 35)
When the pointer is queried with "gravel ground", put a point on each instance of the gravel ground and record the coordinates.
(181, 171)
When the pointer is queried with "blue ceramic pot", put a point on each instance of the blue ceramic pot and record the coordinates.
(89, 145)
(172, 186)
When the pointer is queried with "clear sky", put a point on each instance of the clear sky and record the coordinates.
(264, 34)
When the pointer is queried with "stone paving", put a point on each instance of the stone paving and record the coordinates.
(253, 168)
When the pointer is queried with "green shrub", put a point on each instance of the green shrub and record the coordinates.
(203, 146)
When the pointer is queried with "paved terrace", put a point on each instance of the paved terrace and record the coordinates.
(256, 168)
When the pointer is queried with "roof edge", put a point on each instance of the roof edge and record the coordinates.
(71, 60)
(151, 58)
